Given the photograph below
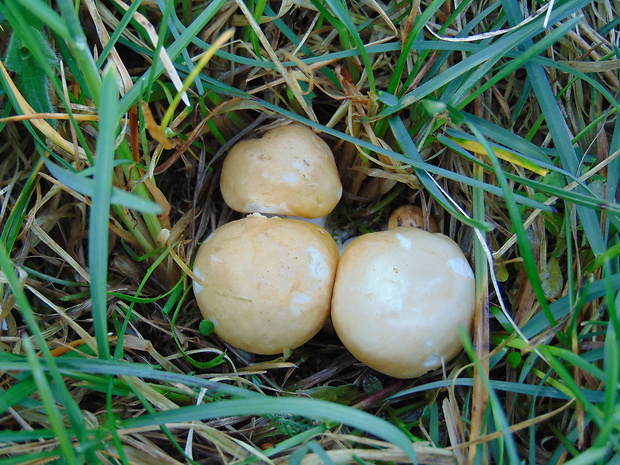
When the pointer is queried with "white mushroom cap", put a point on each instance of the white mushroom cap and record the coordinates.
(399, 300)
(266, 283)
(289, 171)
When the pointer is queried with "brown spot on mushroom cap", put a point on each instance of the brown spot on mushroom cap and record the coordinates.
(289, 171)
(399, 299)
(266, 283)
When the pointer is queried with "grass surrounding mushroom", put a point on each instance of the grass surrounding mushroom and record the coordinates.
(500, 118)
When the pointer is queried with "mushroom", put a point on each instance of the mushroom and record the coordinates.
(289, 171)
(266, 283)
(412, 215)
(399, 300)
(405, 215)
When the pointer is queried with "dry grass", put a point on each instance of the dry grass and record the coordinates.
(527, 388)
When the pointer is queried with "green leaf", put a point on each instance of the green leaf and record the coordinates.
(31, 78)
(30, 55)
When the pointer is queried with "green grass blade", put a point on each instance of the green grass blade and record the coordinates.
(174, 50)
(17, 393)
(591, 456)
(525, 249)
(100, 210)
(557, 127)
(484, 56)
(570, 71)
(613, 173)
(297, 456)
(578, 361)
(611, 407)
(308, 408)
(13, 224)
(588, 198)
(291, 442)
(529, 161)
(28, 435)
(436, 170)
(36, 457)
(538, 47)
(343, 16)
(87, 186)
(410, 44)
(507, 138)
(67, 366)
(404, 140)
(176, 27)
(507, 444)
(576, 390)
(562, 306)
(62, 393)
(54, 416)
(117, 33)
(521, 388)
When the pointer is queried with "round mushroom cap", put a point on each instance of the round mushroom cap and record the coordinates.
(289, 171)
(266, 283)
(400, 298)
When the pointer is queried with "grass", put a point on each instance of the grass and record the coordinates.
(115, 120)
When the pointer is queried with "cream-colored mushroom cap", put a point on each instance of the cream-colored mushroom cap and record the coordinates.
(266, 283)
(399, 300)
(289, 171)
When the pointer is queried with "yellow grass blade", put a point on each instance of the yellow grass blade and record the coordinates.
(511, 157)
(220, 41)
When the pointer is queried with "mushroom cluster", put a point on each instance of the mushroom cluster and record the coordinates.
(266, 283)
(397, 298)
